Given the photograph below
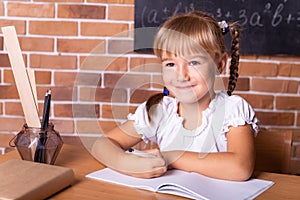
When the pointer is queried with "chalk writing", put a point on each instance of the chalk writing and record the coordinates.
(271, 13)
(269, 23)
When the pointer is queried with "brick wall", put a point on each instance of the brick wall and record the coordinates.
(82, 49)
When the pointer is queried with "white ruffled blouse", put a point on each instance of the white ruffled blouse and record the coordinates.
(166, 127)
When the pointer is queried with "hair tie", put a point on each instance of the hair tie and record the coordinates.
(224, 27)
(166, 92)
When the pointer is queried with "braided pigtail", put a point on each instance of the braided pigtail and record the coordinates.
(155, 99)
(235, 56)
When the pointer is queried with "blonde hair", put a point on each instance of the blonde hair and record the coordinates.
(189, 33)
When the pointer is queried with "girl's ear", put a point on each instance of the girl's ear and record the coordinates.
(222, 63)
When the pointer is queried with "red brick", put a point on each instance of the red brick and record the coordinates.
(290, 70)
(258, 69)
(104, 29)
(117, 13)
(274, 85)
(20, 25)
(59, 93)
(72, 139)
(112, 1)
(30, 10)
(1, 43)
(120, 46)
(36, 44)
(43, 77)
(249, 57)
(81, 11)
(8, 77)
(98, 50)
(81, 78)
(87, 127)
(103, 95)
(14, 108)
(1, 108)
(11, 124)
(77, 110)
(94, 126)
(243, 84)
(55, 1)
(8, 92)
(117, 112)
(61, 28)
(63, 126)
(259, 101)
(1, 9)
(298, 119)
(145, 65)
(283, 58)
(126, 80)
(276, 118)
(79, 45)
(4, 60)
(288, 103)
(107, 63)
(139, 96)
(53, 61)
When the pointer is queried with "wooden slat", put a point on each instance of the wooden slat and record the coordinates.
(21, 78)
(31, 76)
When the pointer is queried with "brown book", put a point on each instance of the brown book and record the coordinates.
(21, 179)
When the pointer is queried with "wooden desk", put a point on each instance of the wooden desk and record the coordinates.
(77, 158)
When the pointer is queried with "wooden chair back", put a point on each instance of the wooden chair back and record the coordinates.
(273, 151)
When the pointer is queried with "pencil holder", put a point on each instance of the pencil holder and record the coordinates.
(35, 144)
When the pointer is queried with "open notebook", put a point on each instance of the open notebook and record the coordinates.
(186, 184)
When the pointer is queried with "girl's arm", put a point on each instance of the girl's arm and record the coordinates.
(110, 149)
(235, 164)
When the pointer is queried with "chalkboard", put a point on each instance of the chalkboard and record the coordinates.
(268, 27)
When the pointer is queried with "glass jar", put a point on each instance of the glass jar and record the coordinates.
(35, 144)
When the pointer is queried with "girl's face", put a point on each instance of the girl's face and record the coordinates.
(189, 79)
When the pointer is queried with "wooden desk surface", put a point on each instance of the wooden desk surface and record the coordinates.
(79, 159)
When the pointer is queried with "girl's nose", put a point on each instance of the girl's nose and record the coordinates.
(182, 72)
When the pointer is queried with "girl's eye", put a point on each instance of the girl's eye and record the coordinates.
(194, 62)
(170, 64)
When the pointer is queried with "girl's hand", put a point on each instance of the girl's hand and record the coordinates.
(147, 165)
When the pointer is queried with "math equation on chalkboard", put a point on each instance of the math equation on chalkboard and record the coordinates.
(268, 26)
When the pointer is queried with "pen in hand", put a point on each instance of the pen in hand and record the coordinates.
(140, 153)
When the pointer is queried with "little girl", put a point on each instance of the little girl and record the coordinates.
(199, 130)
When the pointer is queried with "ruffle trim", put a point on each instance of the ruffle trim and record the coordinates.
(240, 122)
